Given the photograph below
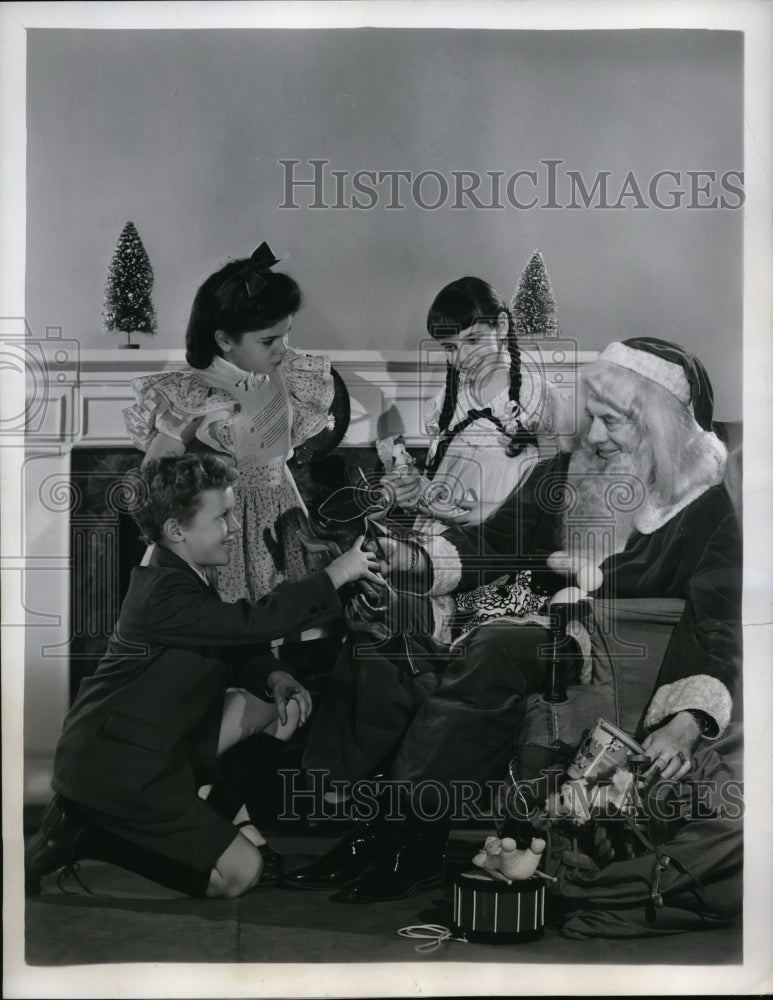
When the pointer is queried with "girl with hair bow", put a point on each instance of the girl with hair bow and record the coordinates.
(251, 399)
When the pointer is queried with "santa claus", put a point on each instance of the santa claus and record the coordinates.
(637, 509)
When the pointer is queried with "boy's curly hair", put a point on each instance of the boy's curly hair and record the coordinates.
(173, 488)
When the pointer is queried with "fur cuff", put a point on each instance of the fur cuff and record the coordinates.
(701, 691)
(446, 564)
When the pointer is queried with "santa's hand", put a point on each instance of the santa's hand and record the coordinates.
(587, 574)
(671, 747)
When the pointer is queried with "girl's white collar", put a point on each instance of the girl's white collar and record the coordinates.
(237, 375)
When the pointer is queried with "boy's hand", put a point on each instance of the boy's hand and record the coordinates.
(283, 688)
(357, 563)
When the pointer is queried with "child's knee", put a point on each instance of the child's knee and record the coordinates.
(237, 883)
(236, 871)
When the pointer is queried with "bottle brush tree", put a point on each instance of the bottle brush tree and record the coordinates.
(533, 305)
(128, 305)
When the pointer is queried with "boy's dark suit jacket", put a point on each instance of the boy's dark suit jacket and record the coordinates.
(142, 734)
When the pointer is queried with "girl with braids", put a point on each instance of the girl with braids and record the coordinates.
(251, 399)
(483, 426)
(483, 423)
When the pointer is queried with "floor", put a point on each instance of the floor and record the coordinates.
(122, 918)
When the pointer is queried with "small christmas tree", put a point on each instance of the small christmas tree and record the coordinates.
(533, 305)
(128, 306)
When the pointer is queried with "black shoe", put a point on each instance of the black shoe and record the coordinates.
(54, 846)
(344, 861)
(274, 866)
(409, 865)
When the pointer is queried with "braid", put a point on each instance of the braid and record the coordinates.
(522, 437)
(515, 360)
(450, 397)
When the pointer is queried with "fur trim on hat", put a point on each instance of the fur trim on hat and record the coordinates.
(666, 373)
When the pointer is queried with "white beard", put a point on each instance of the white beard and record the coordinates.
(608, 494)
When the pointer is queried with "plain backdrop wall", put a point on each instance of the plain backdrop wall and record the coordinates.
(182, 131)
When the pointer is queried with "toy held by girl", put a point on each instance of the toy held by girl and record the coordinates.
(250, 398)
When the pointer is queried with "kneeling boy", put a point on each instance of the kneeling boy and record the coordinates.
(173, 692)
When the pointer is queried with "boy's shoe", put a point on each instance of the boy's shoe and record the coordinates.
(345, 860)
(274, 866)
(54, 846)
(409, 865)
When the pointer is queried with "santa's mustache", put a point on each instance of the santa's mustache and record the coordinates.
(638, 463)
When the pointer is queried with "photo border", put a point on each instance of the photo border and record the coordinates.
(755, 19)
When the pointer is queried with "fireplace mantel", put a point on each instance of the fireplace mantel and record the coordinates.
(387, 388)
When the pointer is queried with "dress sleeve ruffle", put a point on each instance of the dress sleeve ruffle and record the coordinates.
(432, 409)
(310, 384)
(184, 407)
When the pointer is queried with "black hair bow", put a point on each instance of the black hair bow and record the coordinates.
(262, 260)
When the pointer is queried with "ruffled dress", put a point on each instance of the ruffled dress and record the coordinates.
(252, 421)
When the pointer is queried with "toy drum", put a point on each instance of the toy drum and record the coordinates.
(492, 912)
(603, 751)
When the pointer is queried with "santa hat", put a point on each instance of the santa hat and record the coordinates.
(672, 367)
(682, 374)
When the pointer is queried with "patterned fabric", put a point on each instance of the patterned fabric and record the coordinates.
(310, 383)
(183, 405)
(508, 597)
(252, 423)
(270, 551)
